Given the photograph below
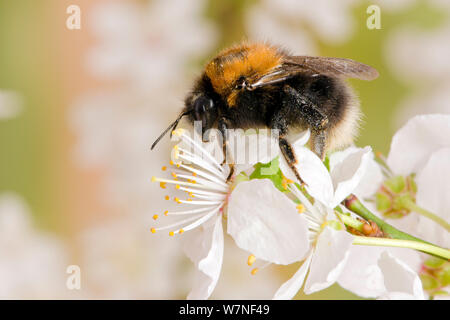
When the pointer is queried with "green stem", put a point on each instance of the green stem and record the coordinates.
(411, 205)
(352, 203)
(349, 221)
(424, 247)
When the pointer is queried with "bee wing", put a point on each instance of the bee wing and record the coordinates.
(335, 67)
(339, 67)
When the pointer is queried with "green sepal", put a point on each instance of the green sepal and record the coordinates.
(428, 282)
(434, 262)
(444, 275)
(396, 184)
(383, 201)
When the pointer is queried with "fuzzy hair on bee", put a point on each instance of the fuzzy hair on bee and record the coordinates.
(259, 85)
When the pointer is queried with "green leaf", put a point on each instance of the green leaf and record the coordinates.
(265, 170)
(261, 172)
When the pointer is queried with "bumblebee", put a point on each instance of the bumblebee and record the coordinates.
(258, 85)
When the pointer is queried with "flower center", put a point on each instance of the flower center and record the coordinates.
(198, 175)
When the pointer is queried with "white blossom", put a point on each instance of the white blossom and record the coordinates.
(197, 171)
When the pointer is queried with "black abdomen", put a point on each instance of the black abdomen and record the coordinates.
(257, 108)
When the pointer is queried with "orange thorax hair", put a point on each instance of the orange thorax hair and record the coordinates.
(247, 60)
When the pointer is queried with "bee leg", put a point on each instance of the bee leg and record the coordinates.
(319, 143)
(312, 115)
(289, 155)
(225, 147)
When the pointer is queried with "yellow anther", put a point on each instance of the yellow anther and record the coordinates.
(162, 185)
(164, 168)
(178, 132)
(153, 179)
(181, 231)
(175, 147)
(285, 181)
(194, 174)
(167, 197)
(178, 165)
(155, 217)
(171, 233)
(174, 174)
(300, 208)
(166, 213)
(254, 271)
(177, 186)
(153, 230)
(193, 181)
(171, 163)
(191, 195)
(188, 199)
(251, 259)
(177, 200)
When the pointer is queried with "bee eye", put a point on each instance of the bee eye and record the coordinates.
(202, 105)
(241, 83)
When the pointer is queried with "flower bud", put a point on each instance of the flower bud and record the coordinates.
(435, 276)
(394, 194)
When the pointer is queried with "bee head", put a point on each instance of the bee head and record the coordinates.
(201, 108)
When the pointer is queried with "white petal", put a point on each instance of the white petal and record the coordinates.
(397, 296)
(205, 248)
(329, 259)
(300, 139)
(247, 150)
(289, 289)
(268, 149)
(348, 172)
(361, 274)
(413, 143)
(265, 222)
(313, 172)
(398, 277)
(371, 180)
(433, 185)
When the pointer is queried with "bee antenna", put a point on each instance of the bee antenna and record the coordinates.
(171, 127)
